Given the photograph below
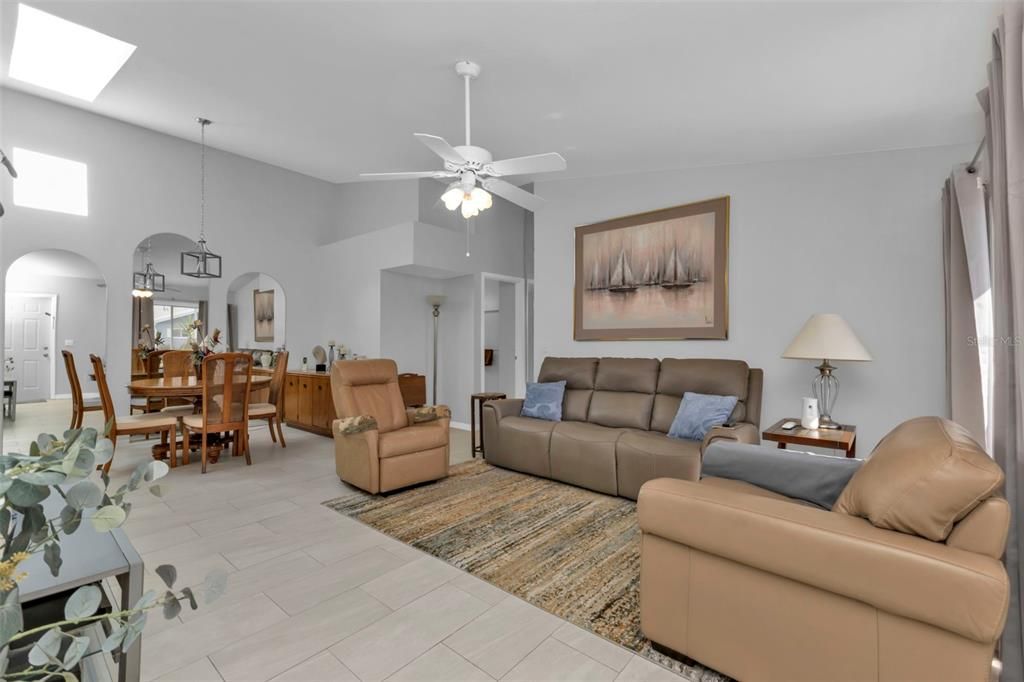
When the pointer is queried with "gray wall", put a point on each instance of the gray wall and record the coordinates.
(855, 235)
(259, 217)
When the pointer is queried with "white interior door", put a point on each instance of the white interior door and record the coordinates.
(28, 328)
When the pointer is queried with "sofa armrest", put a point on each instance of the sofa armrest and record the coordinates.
(901, 574)
(356, 456)
(506, 407)
(427, 413)
(741, 432)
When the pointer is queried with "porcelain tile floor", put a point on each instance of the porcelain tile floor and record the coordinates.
(315, 596)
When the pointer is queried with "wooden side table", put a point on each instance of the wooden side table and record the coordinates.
(476, 413)
(844, 438)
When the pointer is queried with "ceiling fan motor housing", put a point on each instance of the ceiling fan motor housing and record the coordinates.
(476, 158)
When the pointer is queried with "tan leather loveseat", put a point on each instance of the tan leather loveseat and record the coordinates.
(901, 580)
(379, 445)
(615, 415)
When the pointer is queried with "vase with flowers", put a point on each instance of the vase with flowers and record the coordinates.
(202, 346)
(148, 342)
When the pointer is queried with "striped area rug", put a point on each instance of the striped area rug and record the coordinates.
(570, 551)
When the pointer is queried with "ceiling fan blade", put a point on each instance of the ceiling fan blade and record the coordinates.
(439, 146)
(7, 164)
(408, 175)
(524, 165)
(508, 191)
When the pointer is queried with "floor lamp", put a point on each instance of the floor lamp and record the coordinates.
(435, 300)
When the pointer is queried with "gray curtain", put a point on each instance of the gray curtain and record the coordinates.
(1003, 102)
(204, 317)
(142, 314)
(966, 266)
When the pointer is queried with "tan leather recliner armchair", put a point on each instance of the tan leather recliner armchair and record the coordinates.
(901, 580)
(379, 445)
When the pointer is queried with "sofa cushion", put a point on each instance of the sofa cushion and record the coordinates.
(416, 438)
(709, 376)
(579, 375)
(641, 456)
(619, 409)
(584, 454)
(635, 375)
(522, 445)
(923, 477)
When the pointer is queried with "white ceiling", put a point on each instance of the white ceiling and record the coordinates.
(334, 88)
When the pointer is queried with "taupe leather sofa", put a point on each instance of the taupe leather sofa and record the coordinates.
(901, 580)
(615, 415)
(379, 445)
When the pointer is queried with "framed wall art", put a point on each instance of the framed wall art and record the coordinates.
(263, 314)
(656, 275)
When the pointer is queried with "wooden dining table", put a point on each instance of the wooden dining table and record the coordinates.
(185, 387)
(181, 387)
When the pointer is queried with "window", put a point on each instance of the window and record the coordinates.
(173, 321)
(50, 183)
(61, 55)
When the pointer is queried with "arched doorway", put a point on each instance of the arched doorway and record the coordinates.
(167, 303)
(54, 300)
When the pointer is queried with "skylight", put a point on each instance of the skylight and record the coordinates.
(59, 55)
(51, 183)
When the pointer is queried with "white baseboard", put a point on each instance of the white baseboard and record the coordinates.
(67, 396)
(461, 426)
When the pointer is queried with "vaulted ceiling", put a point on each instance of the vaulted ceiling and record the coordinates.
(334, 88)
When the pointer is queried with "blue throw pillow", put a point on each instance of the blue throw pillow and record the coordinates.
(544, 401)
(698, 413)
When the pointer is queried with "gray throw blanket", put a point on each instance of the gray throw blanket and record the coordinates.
(818, 479)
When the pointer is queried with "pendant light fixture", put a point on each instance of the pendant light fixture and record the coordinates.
(148, 281)
(201, 263)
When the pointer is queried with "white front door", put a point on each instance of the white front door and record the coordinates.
(27, 331)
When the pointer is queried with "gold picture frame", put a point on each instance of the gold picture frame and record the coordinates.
(656, 275)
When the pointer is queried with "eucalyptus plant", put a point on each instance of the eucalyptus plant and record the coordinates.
(67, 467)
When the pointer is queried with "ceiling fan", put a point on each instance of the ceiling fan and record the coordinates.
(477, 173)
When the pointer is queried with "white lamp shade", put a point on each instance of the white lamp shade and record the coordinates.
(827, 336)
(436, 299)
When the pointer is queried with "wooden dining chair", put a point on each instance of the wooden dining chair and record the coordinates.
(135, 424)
(178, 365)
(79, 406)
(152, 368)
(227, 379)
(273, 409)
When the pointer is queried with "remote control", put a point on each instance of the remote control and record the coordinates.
(789, 426)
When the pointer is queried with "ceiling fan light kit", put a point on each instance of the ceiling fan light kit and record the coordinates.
(477, 175)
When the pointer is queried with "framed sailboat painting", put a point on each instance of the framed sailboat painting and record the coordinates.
(656, 275)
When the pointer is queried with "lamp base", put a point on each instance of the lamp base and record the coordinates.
(826, 389)
(825, 422)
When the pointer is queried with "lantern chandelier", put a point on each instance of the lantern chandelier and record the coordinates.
(201, 263)
(148, 281)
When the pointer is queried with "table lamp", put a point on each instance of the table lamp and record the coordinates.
(825, 337)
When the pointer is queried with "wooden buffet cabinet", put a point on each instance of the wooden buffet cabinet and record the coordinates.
(307, 401)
